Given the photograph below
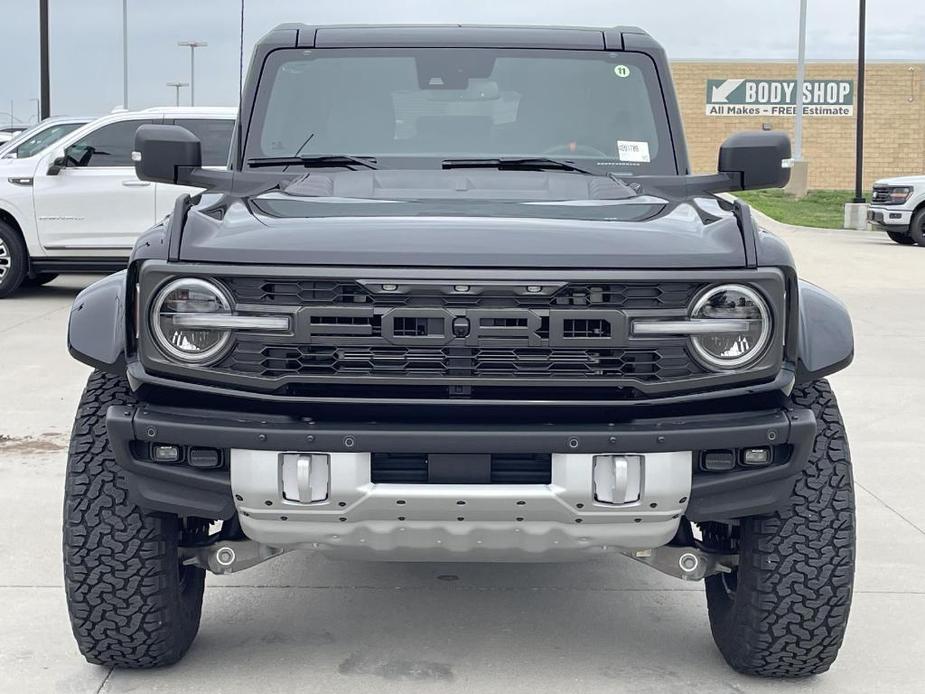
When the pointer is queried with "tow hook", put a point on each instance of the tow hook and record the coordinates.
(229, 556)
(686, 563)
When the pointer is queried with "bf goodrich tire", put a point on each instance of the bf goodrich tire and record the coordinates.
(13, 260)
(131, 603)
(783, 613)
(901, 239)
(917, 228)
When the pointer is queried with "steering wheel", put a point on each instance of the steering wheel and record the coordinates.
(586, 150)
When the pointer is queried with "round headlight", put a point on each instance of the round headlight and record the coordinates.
(744, 332)
(171, 311)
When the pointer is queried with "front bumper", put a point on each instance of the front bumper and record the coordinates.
(890, 219)
(565, 509)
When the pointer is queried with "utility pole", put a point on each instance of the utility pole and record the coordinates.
(178, 86)
(38, 111)
(799, 172)
(859, 197)
(193, 45)
(801, 78)
(124, 53)
(45, 93)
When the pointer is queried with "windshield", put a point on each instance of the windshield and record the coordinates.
(38, 138)
(415, 108)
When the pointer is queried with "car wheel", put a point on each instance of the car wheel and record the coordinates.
(13, 260)
(784, 610)
(40, 280)
(901, 239)
(132, 603)
(917, 229)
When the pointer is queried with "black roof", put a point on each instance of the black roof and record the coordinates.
(454, 35)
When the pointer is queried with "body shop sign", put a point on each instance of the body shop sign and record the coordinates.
(741, 97)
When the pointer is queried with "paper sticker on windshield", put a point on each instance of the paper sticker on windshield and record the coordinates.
(621, 71)
(633, 151)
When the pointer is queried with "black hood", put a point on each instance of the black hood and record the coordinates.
(464, 219)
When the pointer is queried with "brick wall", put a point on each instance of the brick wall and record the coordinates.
(894, 141)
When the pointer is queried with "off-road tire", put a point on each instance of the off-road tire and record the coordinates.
(40, 280)
(131, 603)
(917, 228)
(783, 613)
(14, 260)
(901, 238)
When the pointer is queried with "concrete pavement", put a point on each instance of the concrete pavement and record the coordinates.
(307, 623)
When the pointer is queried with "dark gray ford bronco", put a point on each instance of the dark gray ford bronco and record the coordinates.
(458, 297)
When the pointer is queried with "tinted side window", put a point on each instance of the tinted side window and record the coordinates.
(111, 145)
(215, 135)
(47, 137)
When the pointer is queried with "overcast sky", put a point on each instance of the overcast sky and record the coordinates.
(86, 37)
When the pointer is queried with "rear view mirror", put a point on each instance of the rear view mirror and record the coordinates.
(756, 159)
(172, 154)
(163, 151)
(58, 162)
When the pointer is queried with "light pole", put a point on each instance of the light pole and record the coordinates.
(45, 93)
(178, 86)
(193, 45)
(124, 53)
(38, 110)
(801, 78)
(862, 69)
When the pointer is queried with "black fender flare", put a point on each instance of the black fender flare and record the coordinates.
(826, 338)
(96, 326)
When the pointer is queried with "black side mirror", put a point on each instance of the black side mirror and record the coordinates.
(165, 153)
(59, 162)
(756, 159)
(171, 154)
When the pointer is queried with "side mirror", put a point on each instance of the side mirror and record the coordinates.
(756, 159)
(162, 151)
(172, 154)
(58, 162)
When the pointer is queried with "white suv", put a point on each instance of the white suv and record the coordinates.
(77, 206)
(898, 208)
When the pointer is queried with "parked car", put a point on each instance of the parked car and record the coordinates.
(11, 131)
(458, 298)
(78, 206)
(898, 208)
(32, 141)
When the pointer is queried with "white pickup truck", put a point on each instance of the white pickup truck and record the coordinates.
(898, 208)
(77, 206)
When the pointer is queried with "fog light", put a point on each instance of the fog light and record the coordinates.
(617, 479)
(718, 461)
(756, 457)
(306, 477)
(165, 454)
(204, 458)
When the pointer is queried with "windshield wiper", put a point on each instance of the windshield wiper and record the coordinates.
(319, 160)
(516, 164)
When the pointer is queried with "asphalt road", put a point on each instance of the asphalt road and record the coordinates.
(306, 623)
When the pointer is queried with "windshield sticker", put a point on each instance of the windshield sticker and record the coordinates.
(621, 71)
(633, 151)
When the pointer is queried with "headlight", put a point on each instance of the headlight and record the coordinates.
(180, 315)
(892, 195)
(743, 326)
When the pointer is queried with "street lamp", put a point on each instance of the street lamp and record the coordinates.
(178, 86)
(124, 53)
(193, 45)
(862, 69)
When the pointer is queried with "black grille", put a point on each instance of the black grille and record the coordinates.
(882, 195)
(506, 468)
(624, 295)
(278, 361)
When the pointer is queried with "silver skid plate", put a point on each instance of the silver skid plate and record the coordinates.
(559, 521)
